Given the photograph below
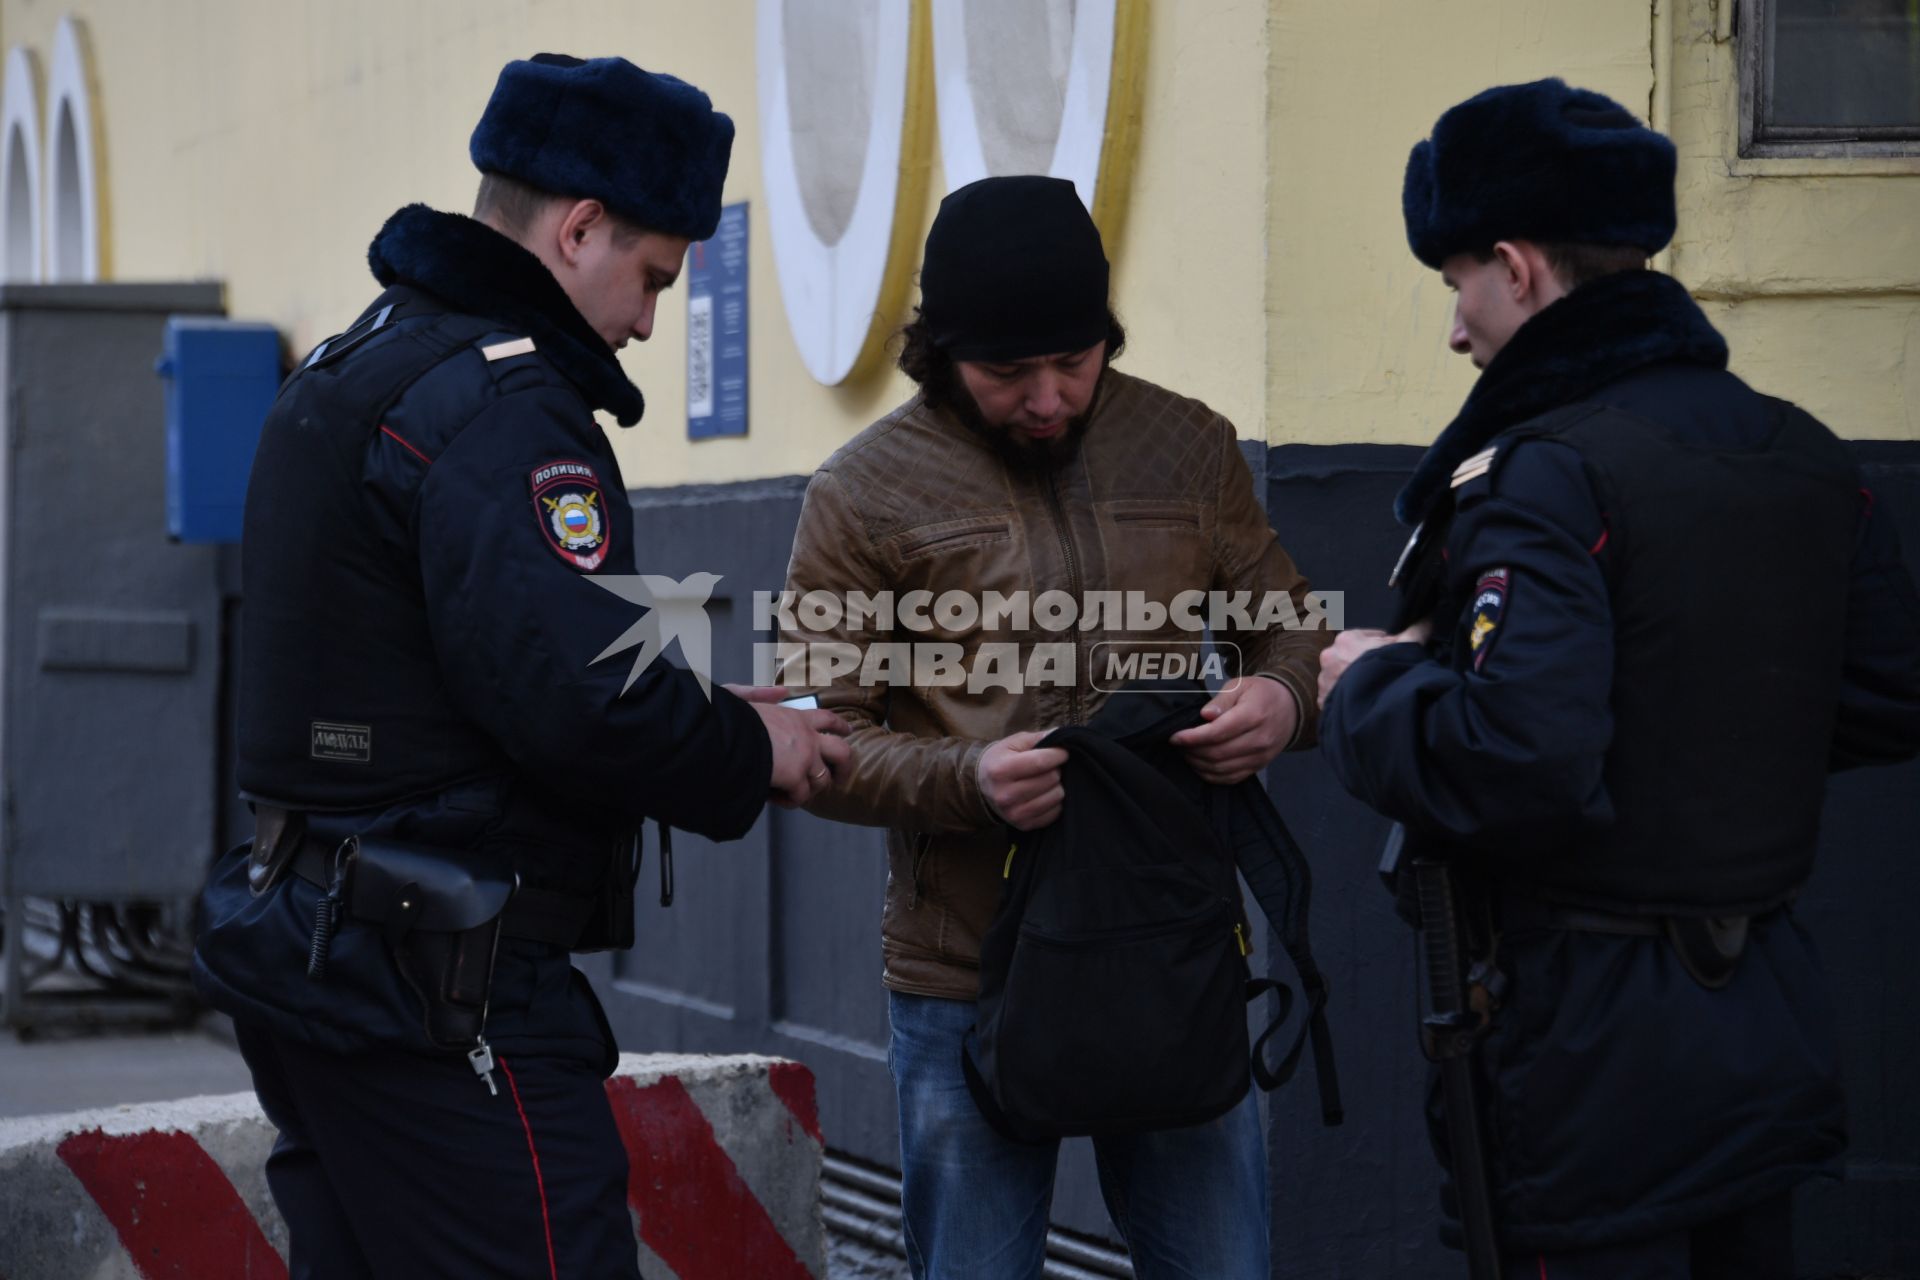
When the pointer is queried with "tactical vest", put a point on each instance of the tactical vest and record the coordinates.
(341, 704)
(1727, 569)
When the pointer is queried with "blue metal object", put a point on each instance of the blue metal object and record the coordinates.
(221, 376)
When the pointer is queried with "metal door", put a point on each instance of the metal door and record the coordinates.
(111, 635)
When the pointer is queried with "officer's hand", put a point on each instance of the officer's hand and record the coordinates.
(1249, 722)
(1021, 780)
(1351, 645)
(809, 748)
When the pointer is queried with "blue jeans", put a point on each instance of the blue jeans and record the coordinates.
(1191, 1203)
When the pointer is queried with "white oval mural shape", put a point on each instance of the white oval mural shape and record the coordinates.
(835, 101)
(1024, 86)
(20, 257)
(73, 211)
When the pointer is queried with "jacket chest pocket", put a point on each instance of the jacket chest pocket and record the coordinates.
(946, 570)
(930, 540)
(1156, 547)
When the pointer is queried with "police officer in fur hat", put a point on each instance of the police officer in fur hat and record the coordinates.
(1595, 707)
(448, 782)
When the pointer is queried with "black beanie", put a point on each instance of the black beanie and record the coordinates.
(1014, 268)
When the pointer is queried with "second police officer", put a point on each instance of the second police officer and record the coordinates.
(1647, 611)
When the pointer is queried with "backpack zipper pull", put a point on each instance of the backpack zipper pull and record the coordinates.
(1240, 938)
(1006, 872)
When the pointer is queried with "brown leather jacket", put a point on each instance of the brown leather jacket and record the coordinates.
(1157, 500)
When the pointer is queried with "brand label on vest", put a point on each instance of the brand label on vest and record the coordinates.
(572, 512)
(352, 743)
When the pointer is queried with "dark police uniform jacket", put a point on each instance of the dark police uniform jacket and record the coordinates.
(1664, 608)
(432, 521)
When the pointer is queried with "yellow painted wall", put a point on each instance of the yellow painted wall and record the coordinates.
(1359, 326)
(1811, 269)
(264, 143)
(1263, 267)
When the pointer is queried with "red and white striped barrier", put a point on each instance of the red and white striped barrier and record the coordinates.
(725, 1181)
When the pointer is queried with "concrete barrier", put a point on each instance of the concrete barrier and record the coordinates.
(725, 1182)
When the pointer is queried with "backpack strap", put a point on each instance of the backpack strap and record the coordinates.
(1276, 870)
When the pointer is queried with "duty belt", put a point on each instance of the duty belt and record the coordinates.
(537, 915)
(1708, 947)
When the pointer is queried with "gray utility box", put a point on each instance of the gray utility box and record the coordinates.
(110, 633)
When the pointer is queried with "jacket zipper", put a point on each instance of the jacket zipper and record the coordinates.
(925, 842)
(1059, 513)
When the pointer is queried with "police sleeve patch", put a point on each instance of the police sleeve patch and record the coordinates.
(1489, 604)
(571, 508)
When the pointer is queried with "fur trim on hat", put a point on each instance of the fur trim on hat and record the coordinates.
(1538, 162)
(648, 146)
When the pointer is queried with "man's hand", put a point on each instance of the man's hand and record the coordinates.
(1350, 645)
(1021, 780)
(809, 747)
(1249, 722)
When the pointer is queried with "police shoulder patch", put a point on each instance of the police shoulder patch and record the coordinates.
(1489, 604)
(571, 508)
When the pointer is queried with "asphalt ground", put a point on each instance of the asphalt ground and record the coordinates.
(55, 1071)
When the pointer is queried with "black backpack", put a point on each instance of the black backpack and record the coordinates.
(1113, 979)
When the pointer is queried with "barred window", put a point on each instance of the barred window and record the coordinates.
(1830, 77)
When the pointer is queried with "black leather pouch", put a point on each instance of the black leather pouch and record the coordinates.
(610, 927)
(276, 839)
(439, 910)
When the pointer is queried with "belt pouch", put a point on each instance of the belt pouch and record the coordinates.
(610, 926)
(1709, 949)
(440, 911)
(276, 839)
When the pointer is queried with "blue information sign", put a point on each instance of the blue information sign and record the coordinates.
(717, 330)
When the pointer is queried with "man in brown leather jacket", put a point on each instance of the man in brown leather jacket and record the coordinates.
(975, 569)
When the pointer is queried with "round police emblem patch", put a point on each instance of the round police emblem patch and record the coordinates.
(572, 511)
(575, 518)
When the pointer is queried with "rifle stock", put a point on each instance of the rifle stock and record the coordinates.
(1448, 1033)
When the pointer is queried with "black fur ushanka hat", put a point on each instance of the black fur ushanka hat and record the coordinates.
(648, 146)
(1539, 162)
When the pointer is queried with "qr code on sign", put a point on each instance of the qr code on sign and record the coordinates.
(700, 356)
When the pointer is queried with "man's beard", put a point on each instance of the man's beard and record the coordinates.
(1046, 454)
